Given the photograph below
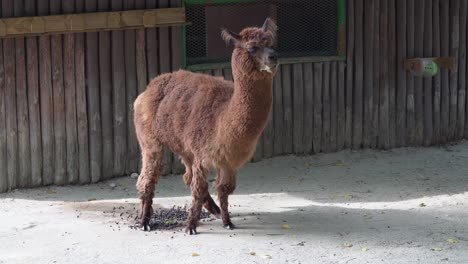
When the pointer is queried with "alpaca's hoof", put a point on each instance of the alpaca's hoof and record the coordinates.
(229, 226)
(144, 225)
(191, 230)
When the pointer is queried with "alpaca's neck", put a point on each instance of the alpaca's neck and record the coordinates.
(250, 105)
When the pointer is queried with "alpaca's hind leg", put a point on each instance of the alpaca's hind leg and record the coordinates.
(208, 203)
(225, 185)
(151, 171)
(199, 187)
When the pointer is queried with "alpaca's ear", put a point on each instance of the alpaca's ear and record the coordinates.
(270, 25)
(231, 37)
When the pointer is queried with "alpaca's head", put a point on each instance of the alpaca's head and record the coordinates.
(254, 51)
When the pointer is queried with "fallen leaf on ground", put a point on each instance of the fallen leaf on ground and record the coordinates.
(266, 256)
(348, 196)
(307, 165)
(340, 163)
(453, 240)
(348, 245)
(195, 255)
(252, 253)
(422, 205)
(91, 199)
(51, 191)
(436, 249)
(286, 226)
(364, 249)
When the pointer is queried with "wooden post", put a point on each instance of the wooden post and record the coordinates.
(454, 52)
(369, 23)
(81, 104)
(401, 73)
(3, 126)
(349, 74)
(131, 86)
(333, 106)
(410, 100)
(358, 75)
(376, 82)
(70, 100)
(462, 72)
(24, 146)
(326, 108)
(278, 114)
(445, 82)
(428, 94)
(59, 103)
(437, 80)
(119, 97)
(318, 83)
(106, 87)
(288, 109)
(298, 108)
(10, 103)
(309, 108)
(93, 96)
(384, 134)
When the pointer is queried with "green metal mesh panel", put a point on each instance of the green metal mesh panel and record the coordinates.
(305, 27)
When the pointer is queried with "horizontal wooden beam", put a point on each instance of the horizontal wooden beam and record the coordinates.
(91, 22)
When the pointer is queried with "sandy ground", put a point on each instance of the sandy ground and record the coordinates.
(399, 206)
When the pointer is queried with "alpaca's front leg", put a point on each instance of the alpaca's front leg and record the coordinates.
(199, 188)
(225, 185)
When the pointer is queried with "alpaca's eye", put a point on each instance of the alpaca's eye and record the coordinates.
(252, 49)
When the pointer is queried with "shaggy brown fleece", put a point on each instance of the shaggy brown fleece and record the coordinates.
(209, 122)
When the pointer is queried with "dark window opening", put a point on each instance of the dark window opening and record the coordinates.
(306, 28)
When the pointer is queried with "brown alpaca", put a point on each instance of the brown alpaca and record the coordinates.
(208, 121)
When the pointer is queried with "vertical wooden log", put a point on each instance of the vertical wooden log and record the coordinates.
(445, 82)
(428, 118)
(401, 73)
(119, 97)
(11, 105)
(341, 105)
(3, 126)
(106, 87)
(454, 52)
(318, 75)
(410, 82)
(268, 136)
(298, 106)
(376, 82)
(392, 60)
(81, 103)
(437, 80)
(308, 108)
(258, 155)
(46, 98)
(94, 104)
(24, 147)
(176, 61)
(418, 83)
(278, 118)
(326, 108)
(288, 109)
(333, 106)
(142, 73)
(165, 66)
(349, 73)
(60, 162)
(462, 72)
(70, 100)
(384, 135)
(368, 74)
(358, 75)
(227, 73)
(33, 101)
(131, 86)
(152, 46)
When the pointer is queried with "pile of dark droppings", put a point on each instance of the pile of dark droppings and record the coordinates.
(168, 219)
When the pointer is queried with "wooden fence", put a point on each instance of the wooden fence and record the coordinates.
(66, 100)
